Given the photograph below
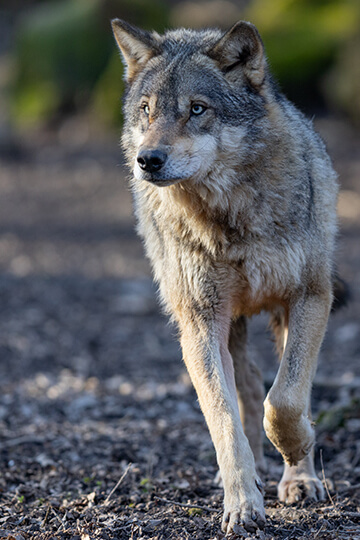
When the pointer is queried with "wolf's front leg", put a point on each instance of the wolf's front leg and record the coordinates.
(287, 422)
(211, 369)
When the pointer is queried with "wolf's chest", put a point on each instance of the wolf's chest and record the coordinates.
(260, 263)
(189, 245)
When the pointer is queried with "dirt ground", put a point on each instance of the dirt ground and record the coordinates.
(101, 435)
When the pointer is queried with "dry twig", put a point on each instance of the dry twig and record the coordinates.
(46, 516)
(59, 520)
(324, 479)
(185, 505)
(319, 531)
(118, 483)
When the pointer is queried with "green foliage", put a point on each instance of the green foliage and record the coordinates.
(146, 485)
(342, 84)
(194, 512)
(65, 57)
(60, 50)
(152, 15)
(106, 99)
(303, 37)
(332, 419)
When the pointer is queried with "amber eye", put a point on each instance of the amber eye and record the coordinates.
(197, 109)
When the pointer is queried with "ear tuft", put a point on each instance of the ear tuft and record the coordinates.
(137, 46)
(241, 47)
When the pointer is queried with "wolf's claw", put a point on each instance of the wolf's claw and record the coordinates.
(246, 513)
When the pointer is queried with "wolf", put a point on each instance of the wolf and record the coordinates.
(235, 198)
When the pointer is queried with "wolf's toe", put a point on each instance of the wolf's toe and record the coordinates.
(246, 514)
(243, 521)
(299, 488)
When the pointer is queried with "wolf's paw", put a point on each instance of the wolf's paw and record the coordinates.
(244, 514)
(299, 487)
(293, 435)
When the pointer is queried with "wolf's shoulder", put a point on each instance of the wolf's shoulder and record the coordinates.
(296, 123)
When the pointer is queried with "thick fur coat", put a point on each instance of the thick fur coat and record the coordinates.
(235, 197)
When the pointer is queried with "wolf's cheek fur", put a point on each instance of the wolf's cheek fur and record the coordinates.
(137, 136)
(233, 141)
(201, 154)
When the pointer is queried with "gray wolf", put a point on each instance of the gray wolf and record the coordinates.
(235, 197)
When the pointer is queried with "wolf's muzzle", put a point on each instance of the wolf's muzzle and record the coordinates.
(151, 160)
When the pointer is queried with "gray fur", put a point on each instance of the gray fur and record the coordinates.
(235, 197)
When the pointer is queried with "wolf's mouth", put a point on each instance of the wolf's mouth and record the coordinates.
(157, 179)
(162, 182)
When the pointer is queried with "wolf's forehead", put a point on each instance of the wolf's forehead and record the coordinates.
(189, 42)
(181, 74)
(178, 77)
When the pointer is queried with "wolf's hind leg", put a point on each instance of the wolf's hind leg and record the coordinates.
(299, 481)
(287, 407)
(250, 390)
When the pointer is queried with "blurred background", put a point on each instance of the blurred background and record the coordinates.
(58, 57)
(66, 225)
(91, 376)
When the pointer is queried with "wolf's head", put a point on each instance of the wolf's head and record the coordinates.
(195, 99)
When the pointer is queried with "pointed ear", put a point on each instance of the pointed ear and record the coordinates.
(137, 46)
(241, 48)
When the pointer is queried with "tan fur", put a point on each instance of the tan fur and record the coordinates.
(235, 221)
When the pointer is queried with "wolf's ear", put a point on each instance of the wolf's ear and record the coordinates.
(241, 47)
(137, 46)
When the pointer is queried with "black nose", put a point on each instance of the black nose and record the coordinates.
(151, 160)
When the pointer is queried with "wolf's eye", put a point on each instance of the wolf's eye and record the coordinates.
(145, 107)
(197, 109)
